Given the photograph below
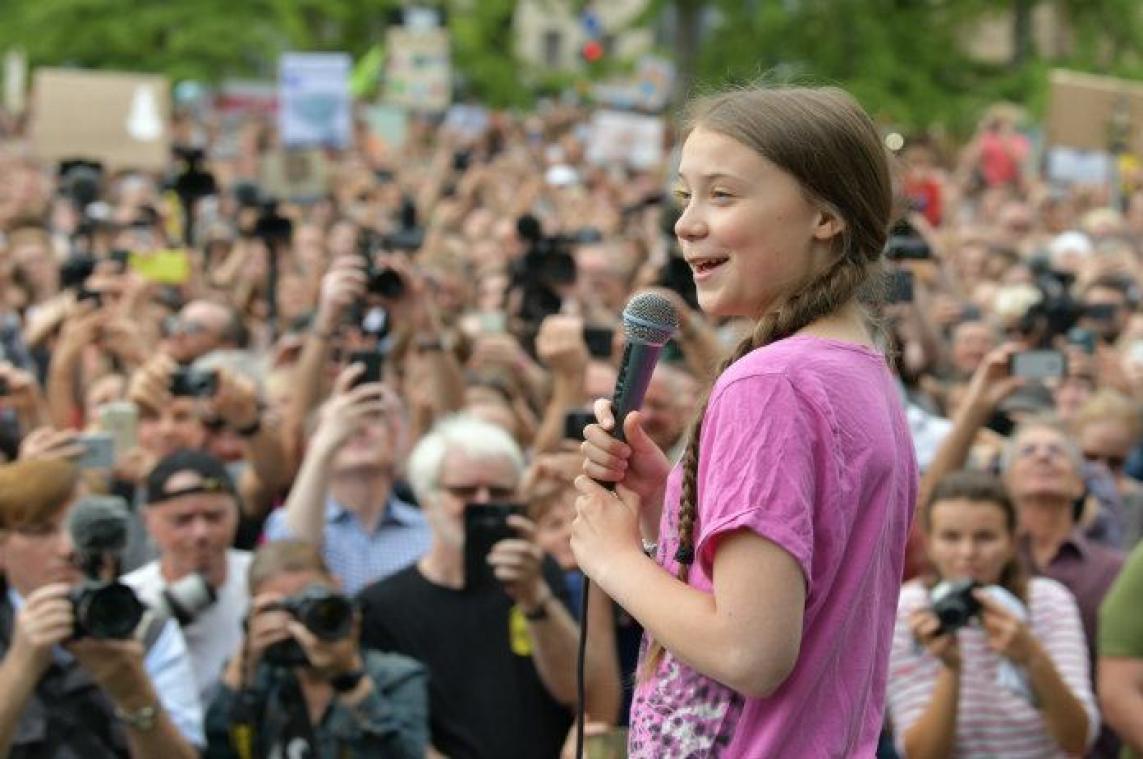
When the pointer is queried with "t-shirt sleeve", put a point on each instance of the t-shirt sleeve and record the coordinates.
(765, 447)
(1120, 622)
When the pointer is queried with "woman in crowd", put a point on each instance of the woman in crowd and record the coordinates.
(1013, 681)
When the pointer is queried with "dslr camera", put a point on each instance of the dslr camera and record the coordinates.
(324, 612)
(954, 604)
(103, 608)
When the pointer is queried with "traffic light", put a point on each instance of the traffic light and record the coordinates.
(592, 51)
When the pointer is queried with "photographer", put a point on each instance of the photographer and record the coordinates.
(343, 501)
(993, 667)
(493, 628)
(298, 682)
(72, 696)
(192, 515)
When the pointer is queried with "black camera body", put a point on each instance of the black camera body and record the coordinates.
(193, 383)
(955, 606)
(105, 609)
(324, 612)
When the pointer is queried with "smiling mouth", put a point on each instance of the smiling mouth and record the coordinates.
(703, 265)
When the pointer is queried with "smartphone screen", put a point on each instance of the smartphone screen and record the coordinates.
(485, 525)
(120, 420)
(1038, 364)
(373, 361)
(600, 341)
(575, 422)
(901, 286)
(98, 451)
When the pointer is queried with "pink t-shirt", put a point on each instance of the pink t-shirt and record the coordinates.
(805, 443)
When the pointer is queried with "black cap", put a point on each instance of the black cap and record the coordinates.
(211, 470)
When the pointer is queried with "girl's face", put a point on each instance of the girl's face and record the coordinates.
(969, 539)
(747, 229)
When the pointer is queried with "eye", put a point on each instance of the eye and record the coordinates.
(720, 195)
(682, 196)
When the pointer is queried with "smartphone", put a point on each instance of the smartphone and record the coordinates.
(193, 383)
(373, 361)
(1038, 364)
(600, 341)
(575, 422)
(166, 267)
(1084, 338)
(485, 525)
(98, 451)
(901, 286)
(120, 420)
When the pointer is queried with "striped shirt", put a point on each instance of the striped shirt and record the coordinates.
(991, 721)
(359, 557)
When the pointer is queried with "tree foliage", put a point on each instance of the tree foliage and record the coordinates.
(903, 58)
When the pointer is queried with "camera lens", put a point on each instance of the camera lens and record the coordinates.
(329, 618)
(387, 283)
(107, 610)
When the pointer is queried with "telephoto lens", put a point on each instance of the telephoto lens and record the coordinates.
(106, 610)
(186, 599)
(954, 604)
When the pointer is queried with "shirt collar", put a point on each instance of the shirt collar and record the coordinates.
(1075, 542)
(397, 512)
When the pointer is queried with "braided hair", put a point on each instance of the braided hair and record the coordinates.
(823, 138)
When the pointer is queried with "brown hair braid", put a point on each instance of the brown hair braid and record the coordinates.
(825, 140)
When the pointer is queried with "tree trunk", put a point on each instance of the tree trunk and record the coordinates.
(1021, 31)
(688, 33)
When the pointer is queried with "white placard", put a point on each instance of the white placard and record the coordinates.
(314, 107)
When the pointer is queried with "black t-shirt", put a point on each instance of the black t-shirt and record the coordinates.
(485, 700)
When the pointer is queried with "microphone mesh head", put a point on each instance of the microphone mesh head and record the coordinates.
(649, 318)
(98, 524)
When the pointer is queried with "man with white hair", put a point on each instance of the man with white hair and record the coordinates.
(500, 653)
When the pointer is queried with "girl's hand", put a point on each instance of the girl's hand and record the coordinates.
(638, 463)
(605, 529)
(924, 624)
(1007, 635)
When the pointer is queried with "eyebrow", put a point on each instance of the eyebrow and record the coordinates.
(715, 175)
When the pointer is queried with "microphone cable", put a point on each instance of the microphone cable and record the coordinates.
(581, 656)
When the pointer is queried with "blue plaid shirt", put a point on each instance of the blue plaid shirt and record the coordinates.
(358, 557)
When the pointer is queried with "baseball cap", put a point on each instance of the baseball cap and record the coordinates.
(213, 477)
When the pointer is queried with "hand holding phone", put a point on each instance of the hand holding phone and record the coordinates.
(374, 363)
(1043, 364)
(485, 525)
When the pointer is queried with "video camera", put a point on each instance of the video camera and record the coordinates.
(546, 266)
(324, 612)
(1057, 312)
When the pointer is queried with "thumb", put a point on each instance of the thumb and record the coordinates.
(634, 433)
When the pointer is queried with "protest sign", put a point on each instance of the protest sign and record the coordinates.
(389, 124)
(314, 106)
(15, 81)
(1095, 113)
(417, 73)
(627, 138)
(118, 119)
(295, 175)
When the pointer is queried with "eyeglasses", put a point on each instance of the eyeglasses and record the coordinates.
(1031, 449)
(469, 492)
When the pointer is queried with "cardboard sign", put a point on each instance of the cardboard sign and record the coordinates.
(295, 175)
(121, 120)
(314, 107)
(418, 75)
(626, 138)
(1088, 112)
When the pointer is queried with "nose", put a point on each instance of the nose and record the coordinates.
(690, 225)
(482, 495)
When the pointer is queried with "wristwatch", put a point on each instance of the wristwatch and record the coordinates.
(142, 719)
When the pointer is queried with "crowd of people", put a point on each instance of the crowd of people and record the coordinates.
(344, 437)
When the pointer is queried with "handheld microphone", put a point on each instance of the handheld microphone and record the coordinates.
(649, 320)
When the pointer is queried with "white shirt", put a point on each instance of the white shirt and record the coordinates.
(216, 633)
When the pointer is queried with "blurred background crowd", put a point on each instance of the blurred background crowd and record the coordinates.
(299, 371)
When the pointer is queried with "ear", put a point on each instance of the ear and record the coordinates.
(828, 225)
